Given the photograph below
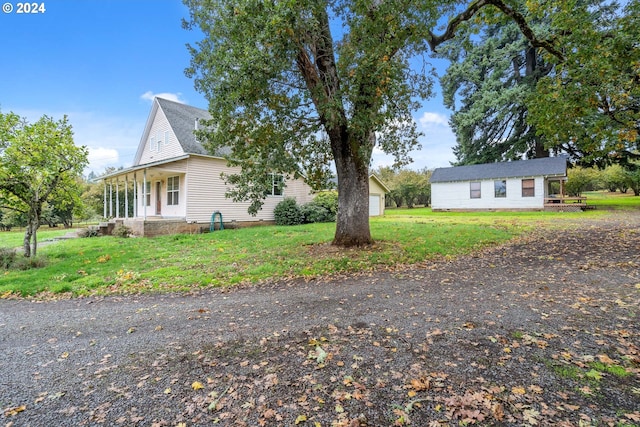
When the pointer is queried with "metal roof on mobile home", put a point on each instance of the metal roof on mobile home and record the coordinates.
(548, 166)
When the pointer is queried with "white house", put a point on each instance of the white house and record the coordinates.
(175, 185)
(535, 184)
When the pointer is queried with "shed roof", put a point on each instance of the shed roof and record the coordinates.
(547, 166)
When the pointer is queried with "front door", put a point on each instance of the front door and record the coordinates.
(158, 198)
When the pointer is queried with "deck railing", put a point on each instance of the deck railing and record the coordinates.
(565, 204)
(565, 200)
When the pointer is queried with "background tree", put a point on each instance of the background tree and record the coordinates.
(407, 187)
(494, 69)
(282, 89)
(39, 164)
(614, 178)
(590, 104)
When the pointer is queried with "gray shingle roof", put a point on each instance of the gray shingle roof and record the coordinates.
(182, 119)
(548, 166)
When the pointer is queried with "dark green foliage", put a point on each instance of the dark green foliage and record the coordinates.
(313, 212)
(329, 201)
(494, 68)
(7, 257)
(288, 212)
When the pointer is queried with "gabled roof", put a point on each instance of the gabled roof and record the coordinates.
(374, 177)
(182, 119)
(547, 166)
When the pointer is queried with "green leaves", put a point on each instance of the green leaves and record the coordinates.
(595, 89)
(39, 164)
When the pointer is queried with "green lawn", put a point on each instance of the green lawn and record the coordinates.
(223, 258)
(15, 238)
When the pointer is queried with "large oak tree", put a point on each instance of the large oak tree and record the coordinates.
(295, 84)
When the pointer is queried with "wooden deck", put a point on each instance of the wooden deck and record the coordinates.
(565, 204)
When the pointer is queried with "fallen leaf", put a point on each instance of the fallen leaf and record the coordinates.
(197, 385)
(14, 410)
(518, 390)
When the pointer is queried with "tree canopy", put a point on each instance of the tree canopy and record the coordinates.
(493, 70)
(589, 105)
(293, 85)
(39, 163)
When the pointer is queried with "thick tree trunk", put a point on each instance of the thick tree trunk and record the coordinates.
(352, 223)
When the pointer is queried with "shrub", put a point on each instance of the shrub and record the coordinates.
(121, 230)
(89, 232)
(288, 212)
(315, 213)
(23, 263)
(329, 201)
(7, 257)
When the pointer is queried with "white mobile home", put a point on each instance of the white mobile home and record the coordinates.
(534, 184)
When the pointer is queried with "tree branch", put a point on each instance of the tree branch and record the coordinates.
(450, 32)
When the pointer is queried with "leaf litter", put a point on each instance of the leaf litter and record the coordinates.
(541, 331)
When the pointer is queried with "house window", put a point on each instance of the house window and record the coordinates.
(528, 188)
(173, 190)
(146, 193)
(276, 184)
(475, 190)
(500, 188)
(152, 144)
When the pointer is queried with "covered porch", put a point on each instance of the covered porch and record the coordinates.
(557, 201)
(149, 199)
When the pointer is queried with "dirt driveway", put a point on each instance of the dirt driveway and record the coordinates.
(542, 331)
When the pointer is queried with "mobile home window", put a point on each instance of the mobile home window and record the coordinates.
(500, 188)
(528, 188)
(475, 190)
(173, 190)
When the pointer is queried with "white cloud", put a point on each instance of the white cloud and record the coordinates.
(101, 158)
(112, 141)
(437, 145)
(149, 95)
(437, 119)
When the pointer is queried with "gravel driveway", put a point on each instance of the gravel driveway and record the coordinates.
(509, 336)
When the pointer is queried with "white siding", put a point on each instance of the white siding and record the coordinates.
(457, 195)
(165, 144)
(206, 193)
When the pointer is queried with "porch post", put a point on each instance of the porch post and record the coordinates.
(126, 196)
(117, 198)
(144, 194)
(135, 196)
(110, 199)
(104, 199)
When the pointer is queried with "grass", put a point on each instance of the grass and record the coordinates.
(613, 201)
(14, 238)
(223, 258)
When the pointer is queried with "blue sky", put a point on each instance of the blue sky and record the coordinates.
(100, 62)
